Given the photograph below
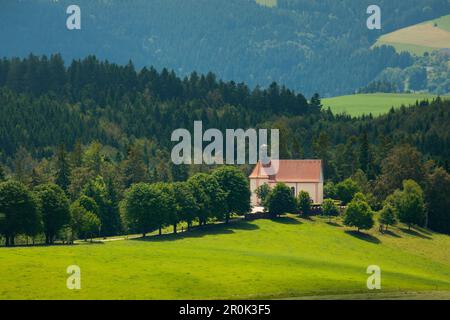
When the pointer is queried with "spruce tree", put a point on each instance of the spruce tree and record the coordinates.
(62, 168)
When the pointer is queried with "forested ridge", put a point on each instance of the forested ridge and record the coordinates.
(310, 46)
(45, 104)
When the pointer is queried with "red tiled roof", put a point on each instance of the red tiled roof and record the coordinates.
(292, 171)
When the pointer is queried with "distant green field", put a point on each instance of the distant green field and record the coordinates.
(285, 258)
(376, 104)
(267, 3)
(420, 38)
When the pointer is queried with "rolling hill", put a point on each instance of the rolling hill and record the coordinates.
(376, 104)
(420, 38)
(284, 258)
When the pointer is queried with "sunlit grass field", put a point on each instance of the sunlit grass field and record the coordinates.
(267, 3)
(376, 104)
(285, 258)
(418, 39)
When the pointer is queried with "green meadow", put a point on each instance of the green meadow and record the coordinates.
(376, 104)
(285, 258)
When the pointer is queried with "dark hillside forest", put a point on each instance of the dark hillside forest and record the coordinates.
(117, 106)
(311, 46)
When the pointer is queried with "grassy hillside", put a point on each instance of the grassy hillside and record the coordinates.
(378, 103)
(417, 39)
(288, 258)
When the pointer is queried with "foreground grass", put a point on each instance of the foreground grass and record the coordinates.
(375, 104)
(288, 258)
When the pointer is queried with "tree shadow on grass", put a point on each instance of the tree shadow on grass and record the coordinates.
(286, 220)
(391, 233)
(363, 236)
(415, 233)
(199, 232)
(423, 230)
(333, 223)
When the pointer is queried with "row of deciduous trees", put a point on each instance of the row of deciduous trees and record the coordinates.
(201, 198)
(46, 209)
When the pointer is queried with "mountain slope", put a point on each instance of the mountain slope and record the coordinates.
(311, 46)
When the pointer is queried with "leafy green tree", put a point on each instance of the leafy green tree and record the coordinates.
(62, 168)
(54, 206)
(19, 210)
(346, 190)
(209, 196)
(185, 203)
(304, 202)
(388, 216)
(281, 200)
(237, 190)
(409, 203)
(359, 214)
(167, 212)
(263, 192)
(438, 200)
(403, 162)
(329, 190)
(417, 78)
(89, 204)
(109, 218)
(330, 209)
(85, 224)
(141, 203)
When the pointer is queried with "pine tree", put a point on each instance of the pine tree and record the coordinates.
(2, 174)
(364, 153)
(62, 168)
(134, 168)
(77, 155)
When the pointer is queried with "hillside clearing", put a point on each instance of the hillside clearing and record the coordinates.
(285, 258)
(420, 38)
(376, 104)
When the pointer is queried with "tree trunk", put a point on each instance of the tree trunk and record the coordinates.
(227, 218)
(175, 228)
(160, 230)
